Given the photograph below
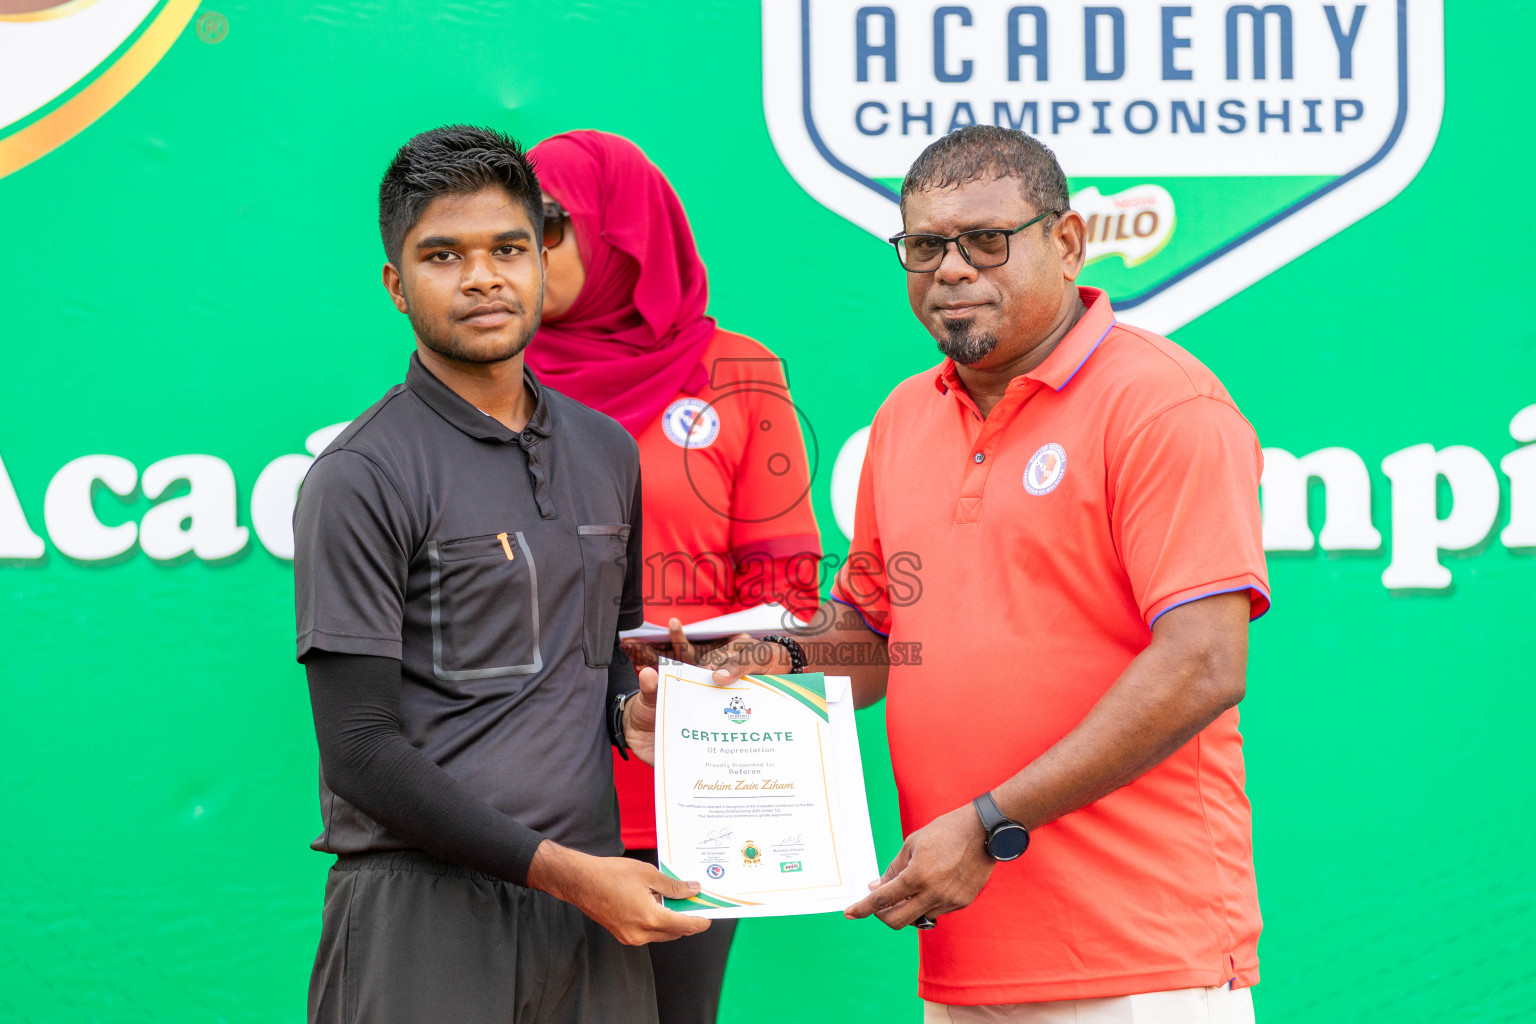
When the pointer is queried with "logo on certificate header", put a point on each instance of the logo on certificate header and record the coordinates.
(1266, 127)
(751, 855)
(737, 710)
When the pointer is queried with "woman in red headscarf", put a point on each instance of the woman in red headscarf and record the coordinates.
(724, 474)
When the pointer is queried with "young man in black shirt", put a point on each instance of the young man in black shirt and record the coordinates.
(466, 553)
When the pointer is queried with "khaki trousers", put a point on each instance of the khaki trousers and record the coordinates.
(1182, 1006)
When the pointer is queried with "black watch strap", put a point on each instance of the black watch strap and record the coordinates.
(616, 722)
(987, 810)
(1006, 839)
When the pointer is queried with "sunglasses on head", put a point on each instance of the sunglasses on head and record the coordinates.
(555, 217)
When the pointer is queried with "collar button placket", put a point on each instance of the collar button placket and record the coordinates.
(974, 482)
(541, 495)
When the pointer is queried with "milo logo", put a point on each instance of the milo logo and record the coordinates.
(1134, 224)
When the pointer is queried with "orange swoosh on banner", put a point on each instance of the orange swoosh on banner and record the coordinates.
(63, 124)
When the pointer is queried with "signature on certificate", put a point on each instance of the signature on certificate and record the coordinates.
(793, 840)
(719, 837)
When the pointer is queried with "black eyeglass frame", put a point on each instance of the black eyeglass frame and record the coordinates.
(1007, 233)
(559, 218)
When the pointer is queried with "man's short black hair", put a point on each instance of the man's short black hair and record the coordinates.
(985, 151)
(454, 160)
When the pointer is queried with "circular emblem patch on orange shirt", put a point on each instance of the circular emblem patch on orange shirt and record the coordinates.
(1045, 470)
(691, 423)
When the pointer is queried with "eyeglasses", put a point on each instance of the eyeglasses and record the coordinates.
(982, 248)
(555, 217)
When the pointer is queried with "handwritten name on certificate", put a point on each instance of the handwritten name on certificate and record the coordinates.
(760, 793)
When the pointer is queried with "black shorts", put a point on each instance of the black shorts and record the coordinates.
(407, 938)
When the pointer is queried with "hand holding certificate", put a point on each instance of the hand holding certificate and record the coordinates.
(760, 793)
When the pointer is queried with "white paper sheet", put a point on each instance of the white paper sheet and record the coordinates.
(761, 852)
(759, 621)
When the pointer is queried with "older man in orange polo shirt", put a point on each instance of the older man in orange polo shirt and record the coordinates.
(1079, 499)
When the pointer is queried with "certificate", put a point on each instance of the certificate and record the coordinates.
(760, 793)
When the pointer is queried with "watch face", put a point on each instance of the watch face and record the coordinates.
(1008, 842)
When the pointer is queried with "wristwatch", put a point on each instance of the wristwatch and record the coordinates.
(616, 722)
(1006, 839)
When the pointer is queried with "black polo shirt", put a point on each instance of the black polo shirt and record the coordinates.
(498, 568)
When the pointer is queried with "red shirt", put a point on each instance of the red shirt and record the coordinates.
(725, 487)
(1029, 554)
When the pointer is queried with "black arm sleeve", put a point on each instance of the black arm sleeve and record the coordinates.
(622, 677)
(632, 598)
(367, 760)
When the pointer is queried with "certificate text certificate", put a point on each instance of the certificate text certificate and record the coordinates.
(753, 795)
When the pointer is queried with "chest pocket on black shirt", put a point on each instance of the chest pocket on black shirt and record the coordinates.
(485, 608)
(604, 557)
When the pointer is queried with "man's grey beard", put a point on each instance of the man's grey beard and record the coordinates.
(450, 348)
(962, 346)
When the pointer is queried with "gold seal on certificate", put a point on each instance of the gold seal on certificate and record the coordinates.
(760, 793)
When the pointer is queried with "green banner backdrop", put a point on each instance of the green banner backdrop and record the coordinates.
(189, 296)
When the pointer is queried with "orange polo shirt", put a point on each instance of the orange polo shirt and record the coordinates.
(725, 490)
(1029, 553)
